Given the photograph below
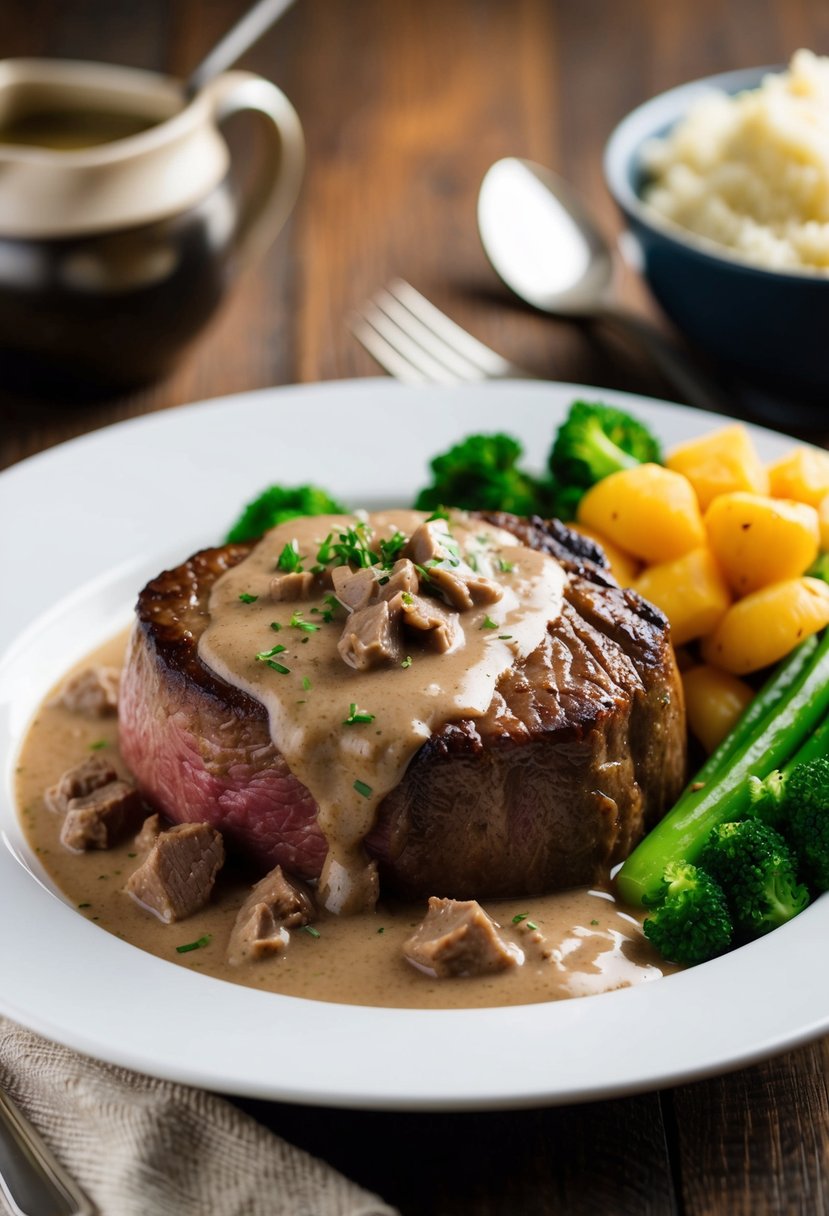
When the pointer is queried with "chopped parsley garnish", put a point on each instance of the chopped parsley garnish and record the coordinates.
(407, 598)
(504, 637)
(516, 920)
(268, 654)
(488, 623)
(407, 662)
(452, 548)
(325, 553)
(84, 905)
(275, 626)
(306, 683)
(505, 567)
(311, 931)
(352, 547)
(98, 744)
(356, 716)
(331, 605)
(531, 924)
(289, 560)
(438, 513)
(594, 922)
(197, 945)
(362, 788)
(423, 572)
(472, 562)
(266, 657)
(391, 549)
(246, 598)
(382, 929)
(297, 622)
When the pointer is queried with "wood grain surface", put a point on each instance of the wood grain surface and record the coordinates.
(405, 103)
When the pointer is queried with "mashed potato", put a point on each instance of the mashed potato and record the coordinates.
(751, 172)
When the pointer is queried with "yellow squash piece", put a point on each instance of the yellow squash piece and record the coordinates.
(803, 474)
(823, 523)
(759, 540)
(767, 624)
(648, 511)
(714, 700)
(691, 592)
(720, 462)
(623, 567)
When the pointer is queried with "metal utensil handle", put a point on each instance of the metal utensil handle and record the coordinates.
(256, 22)
(32, 1179)
(693, 385)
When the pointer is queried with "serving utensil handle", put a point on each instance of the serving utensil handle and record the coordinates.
(32, 1179)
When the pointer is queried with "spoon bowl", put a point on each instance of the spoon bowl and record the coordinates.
(541, 241)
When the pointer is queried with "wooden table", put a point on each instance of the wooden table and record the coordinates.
(405, 103)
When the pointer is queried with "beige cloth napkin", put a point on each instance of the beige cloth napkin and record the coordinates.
(142, 1147)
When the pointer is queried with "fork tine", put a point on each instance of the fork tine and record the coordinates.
(432, 343)
(405, 347)
(483, 358)
(385, 354)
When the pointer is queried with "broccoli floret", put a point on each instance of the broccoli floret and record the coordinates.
(756, 869)
(278, 503)
(690, 921)
(766, 797)
(481, 473)
(806, 805)
(596, 440)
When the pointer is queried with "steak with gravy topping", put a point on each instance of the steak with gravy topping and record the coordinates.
(582, 748)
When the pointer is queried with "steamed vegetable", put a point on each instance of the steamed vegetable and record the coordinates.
(720, 462)
(481, 473)
(647, 510)
(596, 440)
(278, 503)
(723, 794)
(756, 870)
(689, 920)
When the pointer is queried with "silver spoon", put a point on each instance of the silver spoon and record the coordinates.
(32, 1179)
(546, 248)
(240, 38)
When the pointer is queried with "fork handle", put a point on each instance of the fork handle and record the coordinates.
(32, 1179)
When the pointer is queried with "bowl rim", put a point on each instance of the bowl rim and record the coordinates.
(643, 123)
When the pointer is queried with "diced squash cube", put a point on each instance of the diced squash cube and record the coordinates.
(648, 511)
(767, 624)
(691, 592)
(803, 474)
(823, 523)
(623, 567)
(720, 462)
(714, 700)
(759, 540)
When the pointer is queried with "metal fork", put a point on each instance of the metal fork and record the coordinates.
(418, 344)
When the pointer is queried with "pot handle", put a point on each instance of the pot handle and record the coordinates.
(276, 185)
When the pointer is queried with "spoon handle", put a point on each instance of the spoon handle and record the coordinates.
(248, 30)
(32, 1179)
(693, 385)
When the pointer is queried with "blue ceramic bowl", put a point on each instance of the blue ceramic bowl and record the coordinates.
(770, 327)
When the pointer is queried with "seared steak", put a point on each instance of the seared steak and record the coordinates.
(582, 747)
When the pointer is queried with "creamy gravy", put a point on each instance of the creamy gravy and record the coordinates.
(575, 943)
(308, 689)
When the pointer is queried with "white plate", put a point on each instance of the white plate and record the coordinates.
(83, 526)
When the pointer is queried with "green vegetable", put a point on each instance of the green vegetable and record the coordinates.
(197, 945)
(683, 832)
(761, 707)
(594, 441)
(796, 800)
(357, 716)
(278, 503)
(481, 473)
(689, 921)
(756, 870)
